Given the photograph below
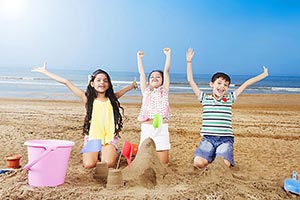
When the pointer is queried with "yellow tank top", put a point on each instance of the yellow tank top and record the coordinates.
(102, 122)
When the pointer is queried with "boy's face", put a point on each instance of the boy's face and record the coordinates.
(220, 87)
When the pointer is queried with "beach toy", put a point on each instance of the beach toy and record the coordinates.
(134, 148)
(126, 152)
(47, 161)
(292, 185)
(92, 146)
(13, 161)
(157, 120)
(3, 171)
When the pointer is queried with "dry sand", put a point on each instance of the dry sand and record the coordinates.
(267, 150)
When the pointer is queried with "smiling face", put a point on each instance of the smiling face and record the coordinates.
(100, 83)
(155, 79)
(220, 87)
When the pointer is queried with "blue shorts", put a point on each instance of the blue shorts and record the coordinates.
(96, 145)
(212, 146)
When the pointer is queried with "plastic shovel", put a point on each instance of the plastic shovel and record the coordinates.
(157, 120)
(126, 152)
(3, 171)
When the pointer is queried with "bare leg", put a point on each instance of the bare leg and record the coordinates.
(163, 156)
(109, 155)
(90, 159)
(227, 163)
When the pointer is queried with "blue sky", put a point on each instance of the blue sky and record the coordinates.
(234, 36)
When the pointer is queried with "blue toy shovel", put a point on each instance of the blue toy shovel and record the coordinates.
(3, 171)
(292, 185)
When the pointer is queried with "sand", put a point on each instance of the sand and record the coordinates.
(267, 150)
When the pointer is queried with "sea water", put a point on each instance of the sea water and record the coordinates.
(22, 83)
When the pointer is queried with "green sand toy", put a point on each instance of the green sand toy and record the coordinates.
(157, 121)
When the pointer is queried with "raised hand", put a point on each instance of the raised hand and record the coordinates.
(40, 69)
(134, 84)
(189, 55)
(167, 51)
(140, 54)
(265, 71)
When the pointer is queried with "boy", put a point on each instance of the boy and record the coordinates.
(216, 131)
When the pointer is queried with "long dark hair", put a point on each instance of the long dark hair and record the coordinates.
(91, 94)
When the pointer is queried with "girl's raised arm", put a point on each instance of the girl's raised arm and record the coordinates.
(123, 91)
(166, 84)
(143, 81)
(77, 91)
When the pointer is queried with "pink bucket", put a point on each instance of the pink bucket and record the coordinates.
(47, 161)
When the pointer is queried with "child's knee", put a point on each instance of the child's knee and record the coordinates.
(110, 162)
(200, 162)
(88, 164)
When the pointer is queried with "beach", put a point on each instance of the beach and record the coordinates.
(266, 149)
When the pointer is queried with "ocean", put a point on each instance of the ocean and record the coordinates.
(22, 83)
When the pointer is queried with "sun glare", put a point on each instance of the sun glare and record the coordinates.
(13, 9)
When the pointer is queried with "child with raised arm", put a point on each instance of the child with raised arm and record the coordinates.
(103, 120)
(216, 131)
(155, 101)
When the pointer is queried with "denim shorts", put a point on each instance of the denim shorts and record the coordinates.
(212, 146)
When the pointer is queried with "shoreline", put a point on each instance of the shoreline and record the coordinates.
(244, 101)
(173, 98)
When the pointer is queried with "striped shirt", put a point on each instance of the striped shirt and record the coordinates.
(217, 114)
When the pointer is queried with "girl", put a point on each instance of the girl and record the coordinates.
(155, 101)
(103, 119)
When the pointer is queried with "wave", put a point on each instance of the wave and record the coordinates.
(175, 86)
(288, 89)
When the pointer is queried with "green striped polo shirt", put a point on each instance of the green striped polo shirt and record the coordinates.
(217, 114)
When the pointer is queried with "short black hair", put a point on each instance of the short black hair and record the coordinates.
(220, 74)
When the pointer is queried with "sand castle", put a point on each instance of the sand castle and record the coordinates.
(146, 169)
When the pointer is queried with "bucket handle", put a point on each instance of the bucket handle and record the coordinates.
(48, 150)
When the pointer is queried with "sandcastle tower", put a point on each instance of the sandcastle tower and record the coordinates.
(146, 169)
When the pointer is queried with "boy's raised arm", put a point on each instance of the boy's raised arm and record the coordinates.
(77, 91)
(189, 70)
(252, 81)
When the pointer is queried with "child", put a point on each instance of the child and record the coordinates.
(216, 132)
(103, 119)
(155, 101)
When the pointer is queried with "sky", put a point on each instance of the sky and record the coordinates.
(238, 37)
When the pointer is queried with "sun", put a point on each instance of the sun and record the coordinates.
(13, 9)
